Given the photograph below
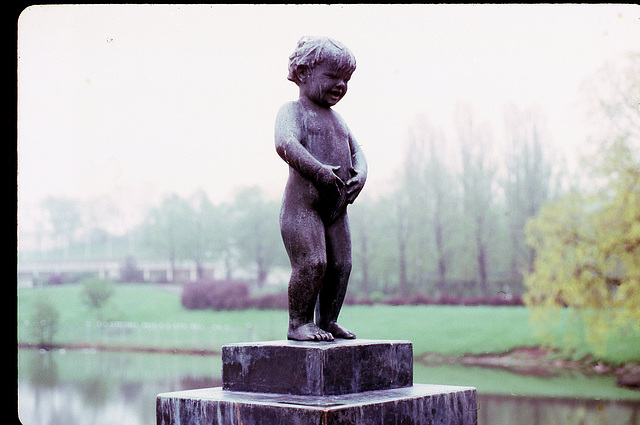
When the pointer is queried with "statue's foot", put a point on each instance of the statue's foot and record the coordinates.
(308, 332)
(338, 331)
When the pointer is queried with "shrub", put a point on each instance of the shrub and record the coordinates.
(44, 321)
(495, 300)
(360, 301)
(419, 299)
(472, 301)
(448, 299)
(129, 271)
(71, 277)
(216, 295)
(364, 300)
(277, 301)
(96, 292)
(55, 279)
(396, 301)
(233, 295)
(195, 295)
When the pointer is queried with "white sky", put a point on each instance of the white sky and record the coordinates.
(132, 101)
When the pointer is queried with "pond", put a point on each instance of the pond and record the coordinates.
(68, 387)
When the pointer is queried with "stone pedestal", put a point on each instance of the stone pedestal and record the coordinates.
(322, 368)
(361, 382)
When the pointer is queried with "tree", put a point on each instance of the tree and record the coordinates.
(588, 243)
(256, 231)
(96, 292)
(166, 229)
(588, 251)
(373, 225)
(204, 237)
(478, 176)
(527, 185)
(432, 207)
(100, 214)
(44, 320)
(442, 207)
(226, 249)
(403, 233)
(361, 216)
(64, 216)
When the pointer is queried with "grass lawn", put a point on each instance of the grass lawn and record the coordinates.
(499, 381)
(447, 330)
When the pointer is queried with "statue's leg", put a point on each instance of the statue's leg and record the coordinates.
(304, 240)
(336, 278)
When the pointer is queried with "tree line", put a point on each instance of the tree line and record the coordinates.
(444, 227)
(454, 222)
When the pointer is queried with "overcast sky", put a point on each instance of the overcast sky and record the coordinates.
(133, 101)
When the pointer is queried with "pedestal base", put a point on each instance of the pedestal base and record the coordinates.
(317, 368)
(418, 404)
(343, 382)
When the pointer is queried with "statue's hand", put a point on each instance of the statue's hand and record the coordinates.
(328, 181)
(354, 186)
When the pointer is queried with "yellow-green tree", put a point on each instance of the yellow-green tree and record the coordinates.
(588, 242)
(588, 253)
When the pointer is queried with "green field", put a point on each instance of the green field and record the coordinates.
(447, 330)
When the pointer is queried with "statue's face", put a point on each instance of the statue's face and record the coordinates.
(325, 85)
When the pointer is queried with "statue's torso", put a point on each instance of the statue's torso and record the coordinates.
(326, 137)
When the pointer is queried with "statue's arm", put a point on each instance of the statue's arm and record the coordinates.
(360, 168)
(358, 160)
(287, 138)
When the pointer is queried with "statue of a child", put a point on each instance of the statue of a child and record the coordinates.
(327, 171)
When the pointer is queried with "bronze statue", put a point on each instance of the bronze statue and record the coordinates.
(327, 170)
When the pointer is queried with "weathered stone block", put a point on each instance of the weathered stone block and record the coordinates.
(317, 368)
(415, 405)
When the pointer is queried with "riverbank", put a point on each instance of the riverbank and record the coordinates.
(541, 362)
(530, 361)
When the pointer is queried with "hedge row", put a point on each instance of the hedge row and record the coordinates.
(232, 295)
(445, 299)
(228, 295)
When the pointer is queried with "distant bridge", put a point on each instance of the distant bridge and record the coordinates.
(31, 273)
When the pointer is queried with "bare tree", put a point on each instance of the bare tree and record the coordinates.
(527, 184)
(205, 234)
(64, 216)
(361, 216)
(433, 194)
(478, 176)
(256, 232)
(403, 232)
(164, 229)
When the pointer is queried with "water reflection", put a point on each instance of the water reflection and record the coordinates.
(95, 388)
(498, 409)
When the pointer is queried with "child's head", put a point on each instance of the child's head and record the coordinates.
(312, 51)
